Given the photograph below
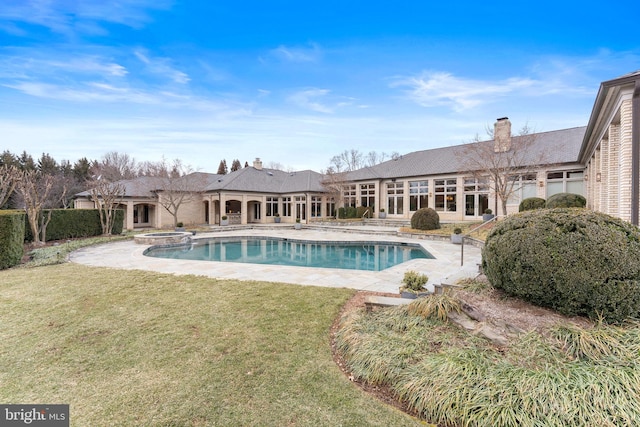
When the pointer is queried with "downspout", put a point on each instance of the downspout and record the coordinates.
(635, 153)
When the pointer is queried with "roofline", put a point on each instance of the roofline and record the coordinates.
(601, 97)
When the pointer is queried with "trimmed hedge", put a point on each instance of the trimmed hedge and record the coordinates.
(73, 223)
(11, 238)
(566, 200)
(531, 203)
(576, 261)
(425, 219)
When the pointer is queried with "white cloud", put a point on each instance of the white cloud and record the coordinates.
(71, 17)
(297, 54)
(162, 67)
(308, 99)
(434, 89)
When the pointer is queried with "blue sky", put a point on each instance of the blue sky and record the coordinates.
(294, 82)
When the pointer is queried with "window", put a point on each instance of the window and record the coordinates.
(418, 195)
(286, 206)
(565, 182)
(331, 207)
(316, 206)
(367, 194)
(395, 198)
(301, 207)
(445, 194)
(349, 196)
(272, 206)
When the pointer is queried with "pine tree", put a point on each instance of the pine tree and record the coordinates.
(235, 165)
(222, 169)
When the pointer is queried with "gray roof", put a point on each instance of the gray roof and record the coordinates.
(272, 181)
(143, 186)
(554, 147)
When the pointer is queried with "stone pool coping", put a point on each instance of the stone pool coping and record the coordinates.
(445, 268)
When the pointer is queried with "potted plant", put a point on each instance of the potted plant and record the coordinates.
(413, 285)
(382, 214)
(179, 226)
(224, 220)
(298, 224)
(488, 215)
(277, 218)
(456, 237)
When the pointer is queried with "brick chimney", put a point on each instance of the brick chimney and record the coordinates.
(257, 164)
(502, 135)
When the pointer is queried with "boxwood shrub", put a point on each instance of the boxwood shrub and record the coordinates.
(73, 223)
(531, 203)
(576, 261)
(425, 219)
(11, 238)
(566, 200)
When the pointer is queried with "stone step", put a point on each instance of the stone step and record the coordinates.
(372, 301)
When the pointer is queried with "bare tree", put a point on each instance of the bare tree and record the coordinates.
(107, 196)
(334, 183)
(177, 185)
(116, 166)
(501, 162)
(9, 177)
(348, 160)
(35, 188)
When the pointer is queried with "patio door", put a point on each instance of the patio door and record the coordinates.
(475, 204)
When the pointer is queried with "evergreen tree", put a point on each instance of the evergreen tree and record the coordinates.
(235, 165)
(222, 169)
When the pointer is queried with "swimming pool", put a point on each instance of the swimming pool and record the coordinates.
(358, 255)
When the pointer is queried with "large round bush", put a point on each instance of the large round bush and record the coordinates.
(566, 200)
(425, 219)
(531, 203)
(576, 261)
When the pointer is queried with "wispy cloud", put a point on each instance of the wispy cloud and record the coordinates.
(162, 67)
(434, 89)
(312, 53)
(310, 100)
(71, 17)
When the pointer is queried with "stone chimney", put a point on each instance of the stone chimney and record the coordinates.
(257, 164)
(502, 135)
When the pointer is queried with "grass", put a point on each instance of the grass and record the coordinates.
(572, 377)
(141, 348)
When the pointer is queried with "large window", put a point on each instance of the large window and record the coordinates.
(367, 195)
(445, 195)
(418, 195)
(316, 206)
(272, 206)
(286, 206)
(349, 196)
(395, 198)
(476, 196)
(565, 182)
(331, 207)
(301, 207)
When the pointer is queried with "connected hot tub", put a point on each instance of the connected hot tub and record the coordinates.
(163, 238)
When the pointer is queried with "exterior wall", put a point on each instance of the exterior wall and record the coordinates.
(609, 168)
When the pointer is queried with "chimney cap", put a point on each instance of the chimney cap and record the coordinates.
(502, 118)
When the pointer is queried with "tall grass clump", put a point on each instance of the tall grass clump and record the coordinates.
(570, 377)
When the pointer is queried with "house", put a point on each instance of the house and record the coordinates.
(600, 161)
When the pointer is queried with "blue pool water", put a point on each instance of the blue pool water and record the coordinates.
(370, 256)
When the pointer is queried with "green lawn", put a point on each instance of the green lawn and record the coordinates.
(139, 348)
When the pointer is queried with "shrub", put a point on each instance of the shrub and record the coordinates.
(566, 200)
(73, 223)
(12, 225)
(531, 203)
(576, 261)
(414, 281)
(425, 219)
(457, 230)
